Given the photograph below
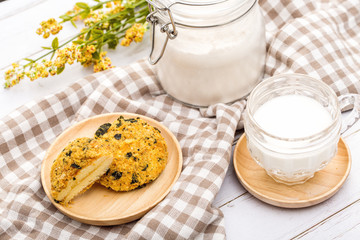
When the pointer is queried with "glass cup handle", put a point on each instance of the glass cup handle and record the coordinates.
(347, 102)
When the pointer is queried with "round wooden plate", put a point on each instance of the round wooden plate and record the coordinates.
(99, 205)
(322, 186)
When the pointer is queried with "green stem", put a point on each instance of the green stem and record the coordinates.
(76, 36)
(140, 13)
(100, 4)
(92, 7)
(142, 19)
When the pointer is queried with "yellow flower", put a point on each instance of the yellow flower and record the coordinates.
(91, 49)
(46, 35)
(70, 61)
(49, 26)
(116, 9)
(117, 3)
(103, 63)
(125, 42)
(47, 63)
(138, 37)
(15, 65)
(52, 72)
(55, 29)
(134, 33)
(44, 74)
(39, 31)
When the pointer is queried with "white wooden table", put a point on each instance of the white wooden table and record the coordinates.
(245, 216)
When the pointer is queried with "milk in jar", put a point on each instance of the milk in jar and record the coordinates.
(218, 54)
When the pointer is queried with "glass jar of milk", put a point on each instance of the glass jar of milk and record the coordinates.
(292, 125)
(213, 51)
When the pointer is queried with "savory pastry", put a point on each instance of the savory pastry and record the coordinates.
(139, 151)
(122, 156)
(78, 167)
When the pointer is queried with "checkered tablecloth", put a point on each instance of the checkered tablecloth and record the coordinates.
(318, 38)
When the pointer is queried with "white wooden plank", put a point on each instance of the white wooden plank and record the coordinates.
(248, 218)
(10, 8)
(342, 225)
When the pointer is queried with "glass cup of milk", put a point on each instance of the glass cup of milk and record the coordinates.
(292, 126)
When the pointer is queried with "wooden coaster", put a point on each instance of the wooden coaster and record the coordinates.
(322, 186)
(99, 205)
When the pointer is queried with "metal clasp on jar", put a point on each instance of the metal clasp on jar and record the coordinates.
(154, 8)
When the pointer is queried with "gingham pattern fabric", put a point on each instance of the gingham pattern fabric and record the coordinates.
(206, 140)
(318, 38)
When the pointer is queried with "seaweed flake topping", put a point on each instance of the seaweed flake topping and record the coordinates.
(102, 129)
(134, 179)
(144, 169)
(74, 165)
(119, 123)
(68, 153)
(132, 120)
(117, 175)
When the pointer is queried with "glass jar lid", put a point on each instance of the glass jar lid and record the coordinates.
(200, 14)
(168, 14)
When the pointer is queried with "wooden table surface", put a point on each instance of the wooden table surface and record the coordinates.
(245, 216)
